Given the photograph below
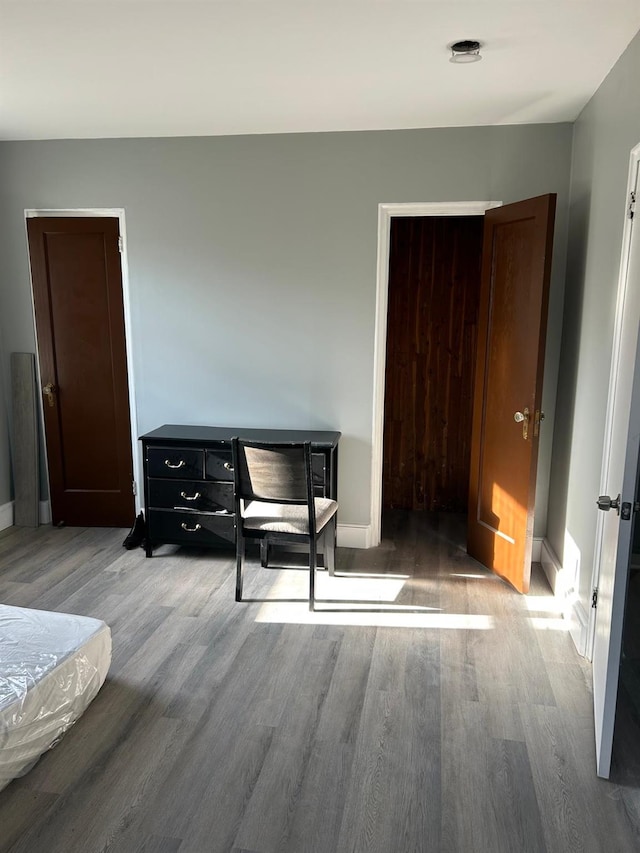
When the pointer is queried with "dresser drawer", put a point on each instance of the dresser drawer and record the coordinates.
(219, 464)
(203, 495)
(181, 462)
(191, 528)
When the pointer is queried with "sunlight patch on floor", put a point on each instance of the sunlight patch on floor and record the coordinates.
(471, 576)
(543, 604)
(380, 575)
(545, 623)
(366, 601)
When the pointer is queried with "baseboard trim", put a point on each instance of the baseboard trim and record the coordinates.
(536, 549)
(354, 536)
(578, 626)
(562, 586)
(6, 515)
(552, 569)
(45, 512)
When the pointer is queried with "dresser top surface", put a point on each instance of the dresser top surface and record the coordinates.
(200, 434)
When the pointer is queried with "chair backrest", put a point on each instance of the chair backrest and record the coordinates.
(276, 472)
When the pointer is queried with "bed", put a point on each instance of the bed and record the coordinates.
(52, 665)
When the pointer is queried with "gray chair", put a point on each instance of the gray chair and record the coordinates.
(274, 502)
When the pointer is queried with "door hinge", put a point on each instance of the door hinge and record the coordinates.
(135, 488)
(594, 597)
(120, 243)
(632, 205)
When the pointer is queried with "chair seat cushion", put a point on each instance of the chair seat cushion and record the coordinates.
(287, 518)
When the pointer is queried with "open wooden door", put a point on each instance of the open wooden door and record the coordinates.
(516, 264)
(77, 292)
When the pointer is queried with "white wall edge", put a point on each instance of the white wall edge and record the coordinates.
(385, 213)
(6, 515)
(45, 512)
(354, 536)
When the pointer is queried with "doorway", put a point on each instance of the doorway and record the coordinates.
(386, 214)
(80, 320)
(514, 295)
(432, 324)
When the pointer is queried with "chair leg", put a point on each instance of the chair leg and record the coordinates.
(239, 563)
(312, 572)
(264, 553)
(330, 546)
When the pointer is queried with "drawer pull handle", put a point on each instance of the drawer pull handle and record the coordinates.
(190, 497)
(180, 464)
(228, 466)
(190, 529)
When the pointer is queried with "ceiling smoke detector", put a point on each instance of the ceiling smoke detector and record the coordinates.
(465, 51)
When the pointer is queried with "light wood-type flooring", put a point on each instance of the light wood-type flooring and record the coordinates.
(427, 707)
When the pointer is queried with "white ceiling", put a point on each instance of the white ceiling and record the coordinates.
(109, 68)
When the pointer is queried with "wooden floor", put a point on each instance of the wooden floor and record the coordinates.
(427, 708)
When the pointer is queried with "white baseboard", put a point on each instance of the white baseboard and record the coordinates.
(562, 586)
(553, 569)
(6, 515)
(354, 536)
(45, 512)
(578, 626)
(536, 550)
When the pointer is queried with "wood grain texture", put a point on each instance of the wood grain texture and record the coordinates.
(434, 285)
(258, 727)
(512, 325)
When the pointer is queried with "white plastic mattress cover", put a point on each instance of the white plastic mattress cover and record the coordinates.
(51, 667)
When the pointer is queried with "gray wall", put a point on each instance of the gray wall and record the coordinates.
(252, 263)
(604, 135)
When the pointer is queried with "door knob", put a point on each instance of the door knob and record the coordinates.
(48, 391)
(523, 418)
(605, 503)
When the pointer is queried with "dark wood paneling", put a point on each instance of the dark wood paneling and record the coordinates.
(434, 283)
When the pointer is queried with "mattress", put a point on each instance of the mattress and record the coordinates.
(52, 665)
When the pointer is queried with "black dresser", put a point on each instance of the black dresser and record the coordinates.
(188, 480)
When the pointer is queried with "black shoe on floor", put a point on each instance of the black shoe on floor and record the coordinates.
(135, 537)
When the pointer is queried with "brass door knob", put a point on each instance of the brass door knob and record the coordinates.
(523, 418)
(49, 393)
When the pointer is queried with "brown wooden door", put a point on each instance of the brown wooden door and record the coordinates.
(511, 339)
(77, 288)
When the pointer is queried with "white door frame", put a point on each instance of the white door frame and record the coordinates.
(616, 365)
(604, 637)
(385, 214)
(114, 213)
